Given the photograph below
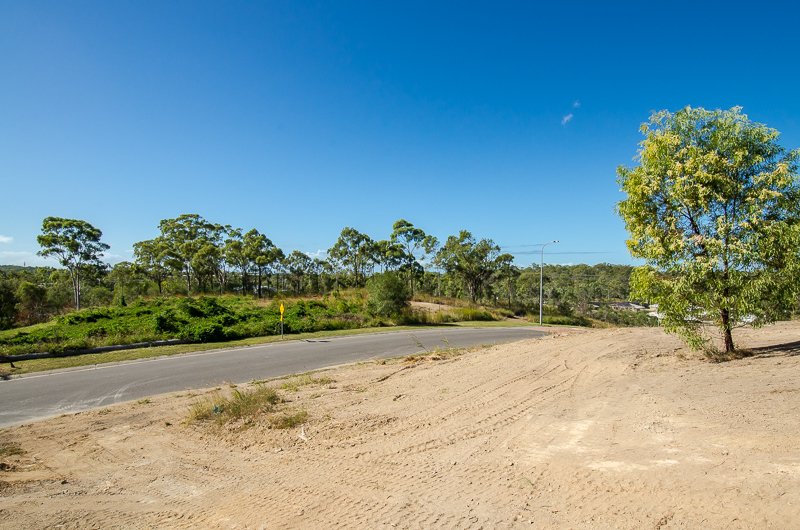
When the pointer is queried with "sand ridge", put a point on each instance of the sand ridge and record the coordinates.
(614, 428)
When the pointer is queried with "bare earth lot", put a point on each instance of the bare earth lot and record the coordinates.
(614, 428)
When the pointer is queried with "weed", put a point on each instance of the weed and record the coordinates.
(288, 420)
(295, 383)
(241, 405)
(145, 401)
(11, 449)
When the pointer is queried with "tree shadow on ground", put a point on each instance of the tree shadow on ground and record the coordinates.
(788, 349)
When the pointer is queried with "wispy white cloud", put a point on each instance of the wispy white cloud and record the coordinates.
(319, 253)
(6, 239)
(576, 104)
(23, 257)
(566, 119)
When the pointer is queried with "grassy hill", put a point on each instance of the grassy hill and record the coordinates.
(202, 319)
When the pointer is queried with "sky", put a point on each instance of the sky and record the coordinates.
(507, 119)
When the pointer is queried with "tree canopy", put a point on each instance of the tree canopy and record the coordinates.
(473, 262)
(713, 207)
(76, 245)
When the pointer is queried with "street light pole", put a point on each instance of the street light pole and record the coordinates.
(541, 278)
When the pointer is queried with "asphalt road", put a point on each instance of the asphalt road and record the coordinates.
(37, 396)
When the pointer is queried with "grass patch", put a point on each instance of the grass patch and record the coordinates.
(242, 405)
(288, 420)
(295, 383)
(440, 354)
(199, 320)
(11, 449)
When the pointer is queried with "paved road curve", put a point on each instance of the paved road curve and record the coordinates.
(38, 396)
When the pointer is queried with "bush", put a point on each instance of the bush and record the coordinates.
(472, 314)
(204, 332)
(387, 294)
(165, 322)
(242, 404)
(562, 320)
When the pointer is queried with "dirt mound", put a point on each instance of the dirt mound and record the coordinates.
(619, 428)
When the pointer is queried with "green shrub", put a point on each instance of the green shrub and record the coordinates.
(387, 294)
(472, 314)
(204, 331)
(165, 322)
(87, 316)
(563, 320)
(242, 404)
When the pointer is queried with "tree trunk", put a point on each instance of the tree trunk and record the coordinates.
(726, 328)
(76, 288)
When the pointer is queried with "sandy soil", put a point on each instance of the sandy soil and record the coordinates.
(616, 428)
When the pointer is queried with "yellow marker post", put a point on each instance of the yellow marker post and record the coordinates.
(281, 320)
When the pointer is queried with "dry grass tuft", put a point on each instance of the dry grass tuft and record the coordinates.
(295, 383)
(11, 449)
(241, 405)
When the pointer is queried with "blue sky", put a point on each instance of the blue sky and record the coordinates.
(300, 118)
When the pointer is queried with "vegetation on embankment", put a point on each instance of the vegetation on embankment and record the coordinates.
(208, 319)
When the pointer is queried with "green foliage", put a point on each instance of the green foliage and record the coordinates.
(472, 262)
(714, 209)
(241, 405)
(409, 245)
(98, 295)
(244, 407)
(562, 320)
(77, 246)
(353, 251)
(202, 319)
(8, 303)
(32, 304)
(466, 314)
(387, 294)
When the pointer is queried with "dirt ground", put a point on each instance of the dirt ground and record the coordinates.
(614, 428)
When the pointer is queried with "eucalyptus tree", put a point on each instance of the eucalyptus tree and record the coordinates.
(416, 245)
(151, 257)
(354, 252)
(77, 247)
(298, 265)
(262, 255)
(234, 254)
(389, 256)
(192, 248)
(472, 262)
(122, 275)
(506, 275)
(713, 207)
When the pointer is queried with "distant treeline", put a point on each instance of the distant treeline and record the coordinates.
(194, 256)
